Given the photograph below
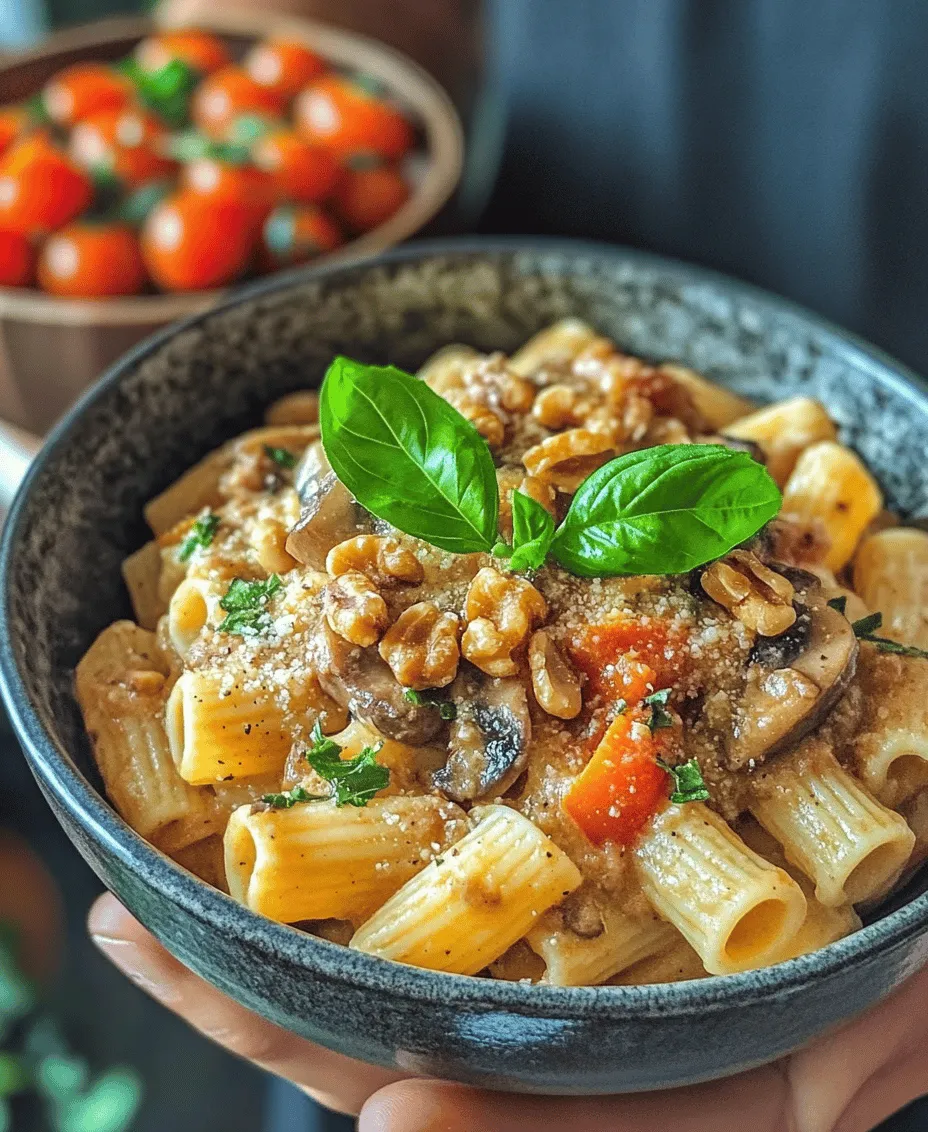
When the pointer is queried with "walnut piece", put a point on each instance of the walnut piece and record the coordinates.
(382, 559)
(759, 597)
(354, 608)
(565, 460)
(421, 647)
(501, 611)
(556, 685)
(561, 406)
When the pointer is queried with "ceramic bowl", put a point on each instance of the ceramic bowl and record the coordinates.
(38, 330)
(197, 384)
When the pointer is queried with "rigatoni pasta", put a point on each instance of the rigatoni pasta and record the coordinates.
(424, 687)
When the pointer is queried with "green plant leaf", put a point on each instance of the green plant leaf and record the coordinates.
(354, 781)
(408, 456)
(532, 533)
(664, 510)
(688, 783)
(109, 1104)
(245, 604)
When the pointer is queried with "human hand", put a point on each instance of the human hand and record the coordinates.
(847, 1082)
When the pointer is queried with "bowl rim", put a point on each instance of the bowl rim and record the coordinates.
(434, 109)
(88, 809)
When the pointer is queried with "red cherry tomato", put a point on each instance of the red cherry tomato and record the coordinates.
(14, 122)
(84, 89)
(40, 188)
(17, 258)
(295, 234)
(229, 94)
(193, 242)
(365, 198)
(283, 65)
(343, 115)
(200, 50)
(249, 188)
(126, 143)
(299, 171)
(89, 261)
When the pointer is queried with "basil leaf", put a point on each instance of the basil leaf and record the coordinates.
(354, 781)
(407, 456)
(245, 606)
(664, 510)
(532, 532)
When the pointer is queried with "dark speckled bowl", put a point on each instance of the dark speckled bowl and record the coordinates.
(188, 389)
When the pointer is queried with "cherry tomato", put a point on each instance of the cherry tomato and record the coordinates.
(193, 242)
(283, 65)
(17, 258)
(40, 188)
(299, 171)
(243, 185)
(228, 94)
(127, 144)
(14, 122)
(365, 198)
(294, 234)
(84, 89)
(344, 116)
(201, 50)
(88, 260)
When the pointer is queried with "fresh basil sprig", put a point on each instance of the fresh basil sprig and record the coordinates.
(408, 456)
(664, 510)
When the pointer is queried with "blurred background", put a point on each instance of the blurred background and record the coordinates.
(783, 142)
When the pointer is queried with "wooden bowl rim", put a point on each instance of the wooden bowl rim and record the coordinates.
(411, 83)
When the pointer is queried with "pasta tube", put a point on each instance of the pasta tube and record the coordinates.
(717, 406)
(472, 904)
(830, 484)
(672, 965)
(891, 575)
(219, 728)
(891, 748)
(830, 827)
(572, 960)
(317, 861)
(784, 431)
(141, 572)
(733, 907)
(120, 688)
(556, 346)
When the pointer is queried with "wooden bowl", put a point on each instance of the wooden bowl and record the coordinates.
(51, 349)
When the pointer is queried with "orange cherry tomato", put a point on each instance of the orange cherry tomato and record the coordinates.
(243, 185)
(229, 94)
(296, 233)
(343, 115)
(200, 50)
(284, 65)
(17, 258)
(192, 242)
(299, 171)
(88, 261)
(14, 122)
(40, 187)
(126, 143)
(84, 89)
(365, 198)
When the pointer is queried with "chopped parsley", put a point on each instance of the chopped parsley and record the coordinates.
(201, 533)
(355, 781)
(282, 457)
(660, 716)
(688, 783)
(865, 630)
(245, 605)
(289, 798)
(446, 709)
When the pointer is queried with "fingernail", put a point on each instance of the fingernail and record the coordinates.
(108, 920)
(112, 930)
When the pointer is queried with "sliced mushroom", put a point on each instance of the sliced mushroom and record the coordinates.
(488, 748)
(360, 681)
(782, 704)
(329, 513)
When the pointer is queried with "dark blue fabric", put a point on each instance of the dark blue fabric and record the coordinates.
(783, 141)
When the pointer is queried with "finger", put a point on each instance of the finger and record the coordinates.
(333, 1080)
(29, 899)
(757, 1101)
